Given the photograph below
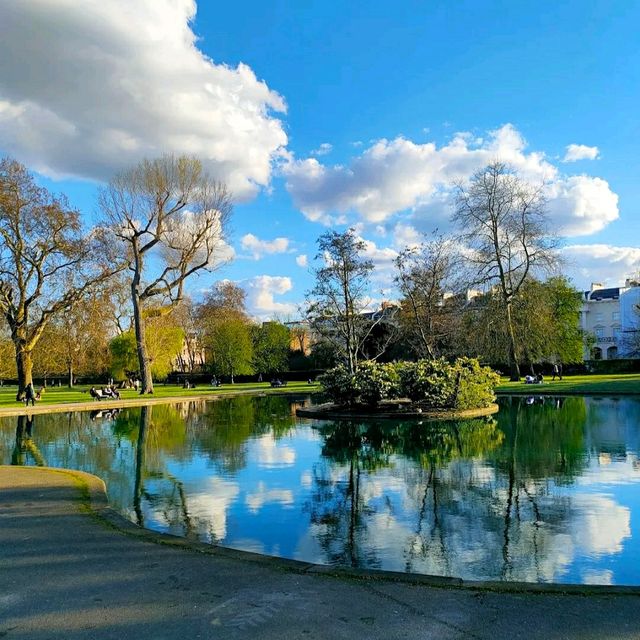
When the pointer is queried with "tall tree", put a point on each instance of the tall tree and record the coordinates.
(503, 222)
(47, 261)
(340, 297)
(271, 346)
(171, 217)
(427, 277)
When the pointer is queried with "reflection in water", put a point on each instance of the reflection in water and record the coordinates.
(541, 492)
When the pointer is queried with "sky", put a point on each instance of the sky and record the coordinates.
(329, 114)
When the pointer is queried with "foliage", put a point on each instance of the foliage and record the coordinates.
(432, 383)
(229, 344)
(545, 319)
(226, 331)
(47, 261)
(435, 384)
(428, 276)
(339, 384)
(271, 342)
(376, 382)
(476, 384)
(164, 342)
(339, 298)
(169, 218)
(504, 223)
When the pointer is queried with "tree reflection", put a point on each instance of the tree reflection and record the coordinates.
(338, 509)
(25, 448)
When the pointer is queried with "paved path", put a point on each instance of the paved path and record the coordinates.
(66, 573)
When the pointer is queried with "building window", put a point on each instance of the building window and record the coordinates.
(612, 352)
(617, 333)
(599, 317)
(615, 316)
(596, 353)
(599, 331)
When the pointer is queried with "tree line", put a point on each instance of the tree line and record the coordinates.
(111, 297)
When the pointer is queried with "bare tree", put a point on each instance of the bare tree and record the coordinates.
(47, 261)
(338, 303)
(428, 277)
(172, 219)
(504, 224)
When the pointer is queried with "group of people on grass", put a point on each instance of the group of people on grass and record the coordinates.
(539, 378)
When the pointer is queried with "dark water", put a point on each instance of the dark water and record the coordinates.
(547, 491)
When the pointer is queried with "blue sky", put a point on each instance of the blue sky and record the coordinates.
(340, 113)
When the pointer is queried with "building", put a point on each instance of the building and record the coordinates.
(611, 317)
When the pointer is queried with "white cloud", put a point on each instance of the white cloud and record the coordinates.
(397, 175)
(92, 90)
(602, 263)
(580, 152)
(259, 248)
(261, 291)
(256, 500)
(302, 260)
(323, 149)
(268, 452)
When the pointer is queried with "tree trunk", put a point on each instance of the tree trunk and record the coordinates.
(138, 486)
(513, 351)
(24, 365)
(70, 370)
(141, 344)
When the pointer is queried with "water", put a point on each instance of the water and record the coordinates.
(545, 491)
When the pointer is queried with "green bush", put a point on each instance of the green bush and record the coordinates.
(433, 384)
(376, 382)
(476, 384)
(339, 385)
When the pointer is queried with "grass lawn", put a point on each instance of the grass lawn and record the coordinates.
(61, 395)
(600, 384)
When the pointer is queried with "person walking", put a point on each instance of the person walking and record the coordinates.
(30, 395)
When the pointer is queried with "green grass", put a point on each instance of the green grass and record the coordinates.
(61, 395)
(597, 384)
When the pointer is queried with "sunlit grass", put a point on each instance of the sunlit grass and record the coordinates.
(61, 395)
(623, 383)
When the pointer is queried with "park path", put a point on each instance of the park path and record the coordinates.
(68, 570)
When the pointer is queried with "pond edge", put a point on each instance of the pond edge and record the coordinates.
(95, 503)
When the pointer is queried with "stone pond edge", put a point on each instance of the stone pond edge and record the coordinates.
(93, 501)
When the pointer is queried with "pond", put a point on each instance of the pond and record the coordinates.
(547, 490)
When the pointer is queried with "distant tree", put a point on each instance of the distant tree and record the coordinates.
(229, 341)
(171, 218)
(271, 346)
(545, 319)
(428, 276)
(227, 330)
(47, 261)
(164, 342)
(337, 303)
(77, 343)
(503, 222)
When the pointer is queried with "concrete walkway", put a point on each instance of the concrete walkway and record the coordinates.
(67, 570)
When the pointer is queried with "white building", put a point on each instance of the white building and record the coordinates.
(611, 316)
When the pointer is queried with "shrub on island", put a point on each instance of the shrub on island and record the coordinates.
(431, 384)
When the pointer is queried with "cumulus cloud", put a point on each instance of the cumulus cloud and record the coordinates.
(259, 248)
(261, 291)
(393, 176)
(302, 260)
(94, 89)
(603, 263)
(323, 149)
(577, 152)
